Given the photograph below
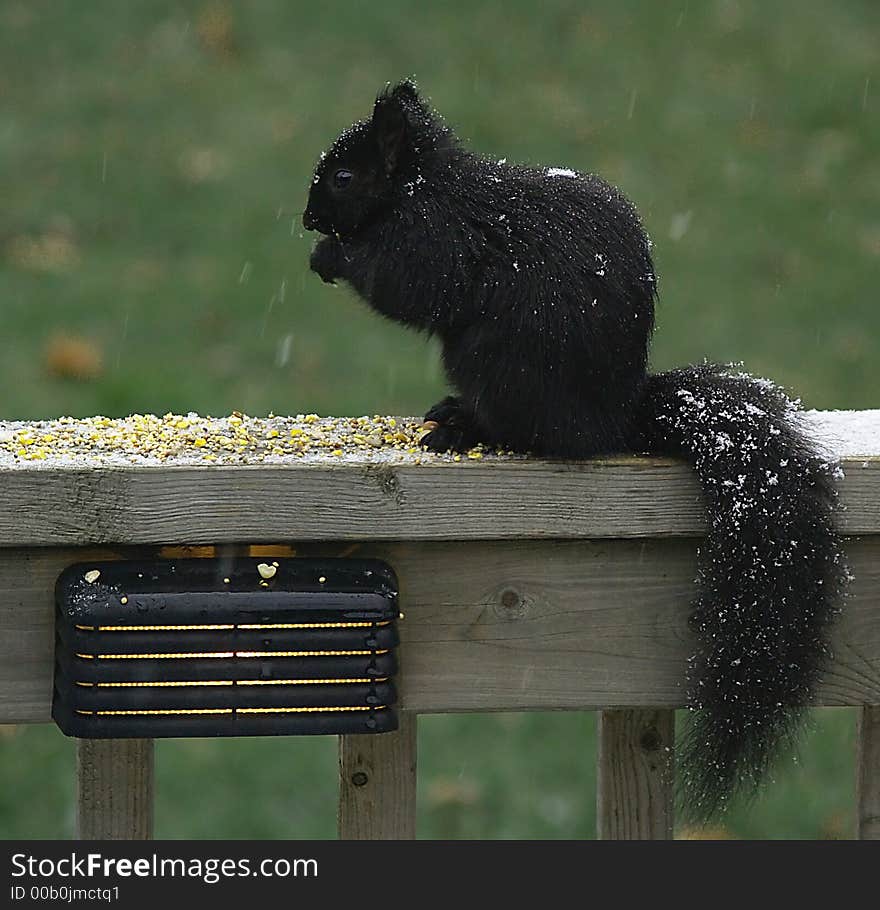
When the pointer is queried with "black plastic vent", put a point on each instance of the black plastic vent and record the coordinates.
(232, 647)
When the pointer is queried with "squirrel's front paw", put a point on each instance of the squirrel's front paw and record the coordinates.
(444, 411)
(326, 259)
(450, 427)
(448, 438)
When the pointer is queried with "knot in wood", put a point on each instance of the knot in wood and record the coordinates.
(387, 482)
(511, 605)
(360, 778)
(650, 740)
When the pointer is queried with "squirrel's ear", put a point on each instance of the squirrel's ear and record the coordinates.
(391, 128)
(406, 91)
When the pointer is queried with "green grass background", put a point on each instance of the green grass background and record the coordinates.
(154, 157)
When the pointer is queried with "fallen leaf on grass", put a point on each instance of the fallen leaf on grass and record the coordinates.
(72, 357)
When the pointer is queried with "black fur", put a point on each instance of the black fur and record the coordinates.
(540, 285)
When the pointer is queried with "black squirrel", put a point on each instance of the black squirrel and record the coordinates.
(540, 286)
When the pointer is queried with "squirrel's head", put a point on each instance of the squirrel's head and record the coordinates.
(362, 173)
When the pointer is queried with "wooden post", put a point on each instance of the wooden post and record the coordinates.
(868, 770)
(114, 798)
(377, 784)
(634, 794)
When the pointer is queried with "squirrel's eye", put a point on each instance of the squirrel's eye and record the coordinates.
(342, 178)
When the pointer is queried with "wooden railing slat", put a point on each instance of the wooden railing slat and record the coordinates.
(634, 797)
(114, 799)
(377, 784)
(868, 771)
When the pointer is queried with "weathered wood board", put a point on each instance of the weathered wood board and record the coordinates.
(499, 500)
(496, 625)
(634, 790)
(377, 784)
(114, 789)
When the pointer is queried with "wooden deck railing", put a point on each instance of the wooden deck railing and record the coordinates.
(525, 585)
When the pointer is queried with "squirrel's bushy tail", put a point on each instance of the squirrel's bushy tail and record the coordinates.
(771, 569)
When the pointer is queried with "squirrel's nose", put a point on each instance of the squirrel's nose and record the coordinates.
(309, 222)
